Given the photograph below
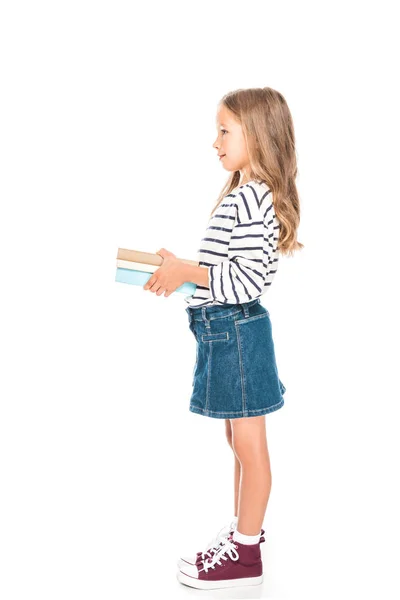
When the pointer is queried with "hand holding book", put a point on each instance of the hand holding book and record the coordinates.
(170, 276)
(137, 268)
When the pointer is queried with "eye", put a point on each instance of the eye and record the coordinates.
(224, 131)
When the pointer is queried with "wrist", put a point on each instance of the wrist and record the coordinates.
(187, 272)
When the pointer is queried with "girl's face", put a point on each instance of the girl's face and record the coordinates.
(231, 143)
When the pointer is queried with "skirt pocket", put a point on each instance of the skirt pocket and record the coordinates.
(215, 337)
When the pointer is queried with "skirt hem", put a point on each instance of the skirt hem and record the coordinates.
(235, 415)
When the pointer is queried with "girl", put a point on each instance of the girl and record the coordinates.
(235, 376)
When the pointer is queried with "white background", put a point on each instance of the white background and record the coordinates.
(107, 123)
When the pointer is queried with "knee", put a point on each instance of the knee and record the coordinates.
(251, 455)
(246, 450)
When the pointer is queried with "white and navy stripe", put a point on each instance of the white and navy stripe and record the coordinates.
(240, 247)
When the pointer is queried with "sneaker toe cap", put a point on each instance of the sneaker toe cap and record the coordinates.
(185, 560)
(190, 570)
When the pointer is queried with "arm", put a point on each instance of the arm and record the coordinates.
(240, 278)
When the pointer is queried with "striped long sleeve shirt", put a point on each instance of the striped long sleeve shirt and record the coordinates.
(239, 247)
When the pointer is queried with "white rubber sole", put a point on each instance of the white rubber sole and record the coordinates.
(213, 585)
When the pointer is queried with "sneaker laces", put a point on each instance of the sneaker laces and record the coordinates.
(228, 548)
(216, 542)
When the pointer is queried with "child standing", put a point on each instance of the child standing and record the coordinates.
(235, 376)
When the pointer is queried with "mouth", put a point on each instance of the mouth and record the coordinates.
(221, 156)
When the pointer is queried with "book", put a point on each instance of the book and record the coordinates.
(150, 258)
(134, 277)
(136, 267)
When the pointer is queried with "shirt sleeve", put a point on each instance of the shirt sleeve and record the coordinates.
(241, 277)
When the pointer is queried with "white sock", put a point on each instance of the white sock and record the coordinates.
(245, 539)
(235, 521)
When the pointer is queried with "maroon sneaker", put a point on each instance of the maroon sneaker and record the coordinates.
(212, 547)
(233, 565)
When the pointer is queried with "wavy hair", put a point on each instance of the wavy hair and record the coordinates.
(269, 134)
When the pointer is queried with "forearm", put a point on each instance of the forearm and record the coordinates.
(198, 275)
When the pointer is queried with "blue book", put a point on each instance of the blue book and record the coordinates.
(141, 278)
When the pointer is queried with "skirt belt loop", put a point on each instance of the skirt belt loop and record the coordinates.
(204, 315)
(245, 310)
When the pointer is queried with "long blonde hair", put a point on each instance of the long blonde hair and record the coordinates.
(269, 134)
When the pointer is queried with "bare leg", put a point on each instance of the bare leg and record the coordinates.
(237, 466)
(249, 442)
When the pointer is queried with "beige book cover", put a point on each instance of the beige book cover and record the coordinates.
(136, 266)
(147, 258)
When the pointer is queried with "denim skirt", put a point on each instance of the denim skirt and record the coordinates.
(235, 374)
